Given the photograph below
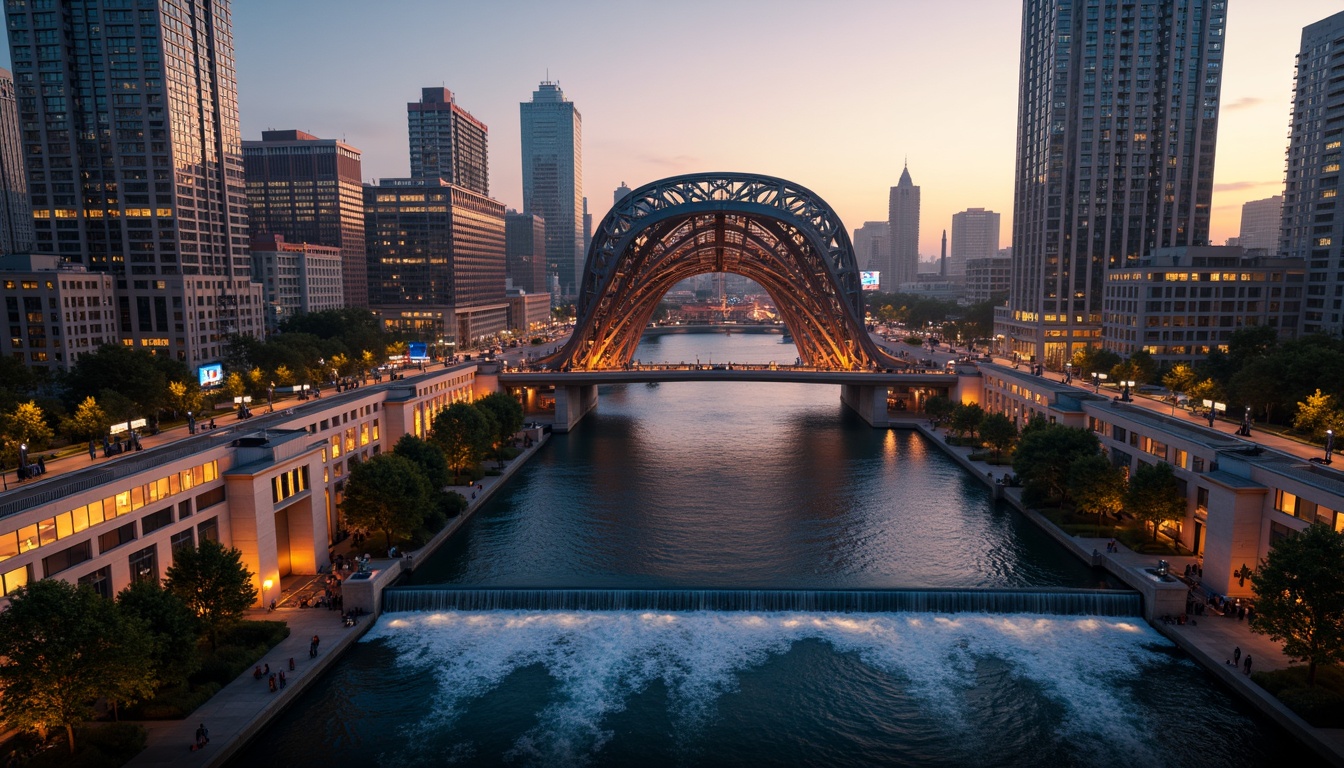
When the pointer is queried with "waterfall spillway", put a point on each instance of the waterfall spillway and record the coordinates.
(1064, 602)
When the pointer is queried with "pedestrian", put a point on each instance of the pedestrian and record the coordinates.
(1236, 655)
(93, 451)
(202, 736)
(282, 678)
(312, 646)
(267, 669)
(1248, 664)
(272, 682)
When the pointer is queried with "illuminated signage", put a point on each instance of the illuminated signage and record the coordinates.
(870, 280)
(211, 375)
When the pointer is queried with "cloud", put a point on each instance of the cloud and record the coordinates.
(1242, 103)
(674, 161)
(1232, 186)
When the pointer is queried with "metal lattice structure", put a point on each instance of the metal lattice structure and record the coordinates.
(772, 231)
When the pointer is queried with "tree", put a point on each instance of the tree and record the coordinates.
(284, 377)
(1260, 383)
(464, 433)
(214, 584)
(1045, 453)
(170, 628)
(1154, 495)
(939, 408)
(999, 432)
(183, 396)
(1178, 380)
(966, 418)
(387, 493)
(234, 385)
(1300, 598)
(1318, 414)
(1097, 485)
(508, 415)
(136, 373)
(88, 423)
(25, 425)
(428, 457)
(65, 647)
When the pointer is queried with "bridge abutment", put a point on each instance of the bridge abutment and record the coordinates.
(869, 401)
(572, 403)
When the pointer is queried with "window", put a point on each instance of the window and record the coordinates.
(14, 579)
(116, 537)
(1285, 502)
(288, 484)
(145, 565)
(70, 556)
(182, 540)
(210, 498)
(208, 530)
(156, 520)
(1201, 499)
(99, 581)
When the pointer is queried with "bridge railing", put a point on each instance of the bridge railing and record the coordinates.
(664, 367)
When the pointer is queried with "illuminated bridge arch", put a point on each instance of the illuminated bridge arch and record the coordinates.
(772, 231)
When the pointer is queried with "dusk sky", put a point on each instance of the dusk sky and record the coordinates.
(833, 96)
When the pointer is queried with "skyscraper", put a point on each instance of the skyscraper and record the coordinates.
(447, 142)
(525, 251)
(16, 214)
(975, 235)
(870, 245)
(1117, 124)
(903, 242)
(309, 190)
(135, 166)
(1313, 228)
(553, 178)
(1260, 222)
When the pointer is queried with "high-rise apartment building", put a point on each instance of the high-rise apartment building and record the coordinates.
(16, 214)
(1313, 227)
(310, 190)
(1260, 222)
(135, 165)
(1117, 124)
(870, 245)
(903, 239)
(447, 142)
(975, 235)
(525, 251)
(298, 277)
(553, 178)
(436, 260)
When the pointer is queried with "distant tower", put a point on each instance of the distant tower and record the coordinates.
(552, 131)
(620, 193)
(942, 260)
(870, 245)
(975, 235)
(447, 142)
(16, 215)
(903, 218)
(1260, 222)
(587, 229)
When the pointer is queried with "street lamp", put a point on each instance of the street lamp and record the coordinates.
(1329, 444)
(1245, 430)
(191, 423)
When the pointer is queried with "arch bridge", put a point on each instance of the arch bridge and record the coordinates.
(772, 231)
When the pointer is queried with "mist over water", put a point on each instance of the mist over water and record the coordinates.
(757, 486)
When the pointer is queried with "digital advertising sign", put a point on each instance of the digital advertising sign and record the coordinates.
(417, 351)
(870, 280)
(211, 375)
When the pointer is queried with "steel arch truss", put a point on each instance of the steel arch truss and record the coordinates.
(769, 230)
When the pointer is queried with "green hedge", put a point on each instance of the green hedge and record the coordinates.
(108, 745)
(240, 648)
(1321, 705)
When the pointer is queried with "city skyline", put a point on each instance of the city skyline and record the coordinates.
(847, 145)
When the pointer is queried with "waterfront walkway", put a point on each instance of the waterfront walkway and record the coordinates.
(244, 708)
(1210, 640)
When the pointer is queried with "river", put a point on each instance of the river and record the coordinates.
(732, 486)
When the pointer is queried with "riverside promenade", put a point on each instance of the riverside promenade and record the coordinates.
(1210, 641)
(243, 708)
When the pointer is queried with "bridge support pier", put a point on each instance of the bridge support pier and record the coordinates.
(869, 401)
(572, 403)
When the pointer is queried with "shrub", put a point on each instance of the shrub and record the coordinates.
(97, 746)
(914, 341)
(1321, 705)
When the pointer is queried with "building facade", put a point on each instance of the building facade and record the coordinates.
(975, 235)
(310, 190)
(1117, 126)
(525, 251)
(1312, 227)
(1180, 304)
(1260, 223)
(298, 277)
(436, 260)
(273, 492)
(134, 162)
(16, 213)
(447, 142)
(902, 263)
(528, 313)
(870, 245)
(553, 178)
(988, 278)
(56, 311)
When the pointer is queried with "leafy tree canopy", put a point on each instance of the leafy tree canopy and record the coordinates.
(1154, 495)
(387, 493)
(464, 433)
(1045, 453)
(213, 583)
(1300, 597)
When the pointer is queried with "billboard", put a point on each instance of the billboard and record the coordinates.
(870, 280)
(211, 375)
(417, 351)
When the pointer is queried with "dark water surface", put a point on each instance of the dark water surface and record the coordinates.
(720, 485)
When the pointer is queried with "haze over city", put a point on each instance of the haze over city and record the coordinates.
(834, 100)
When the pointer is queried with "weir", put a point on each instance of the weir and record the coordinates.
(1062, 602)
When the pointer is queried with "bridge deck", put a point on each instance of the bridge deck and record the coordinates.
(728, 372)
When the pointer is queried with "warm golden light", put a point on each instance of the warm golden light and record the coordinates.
(267, 584)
